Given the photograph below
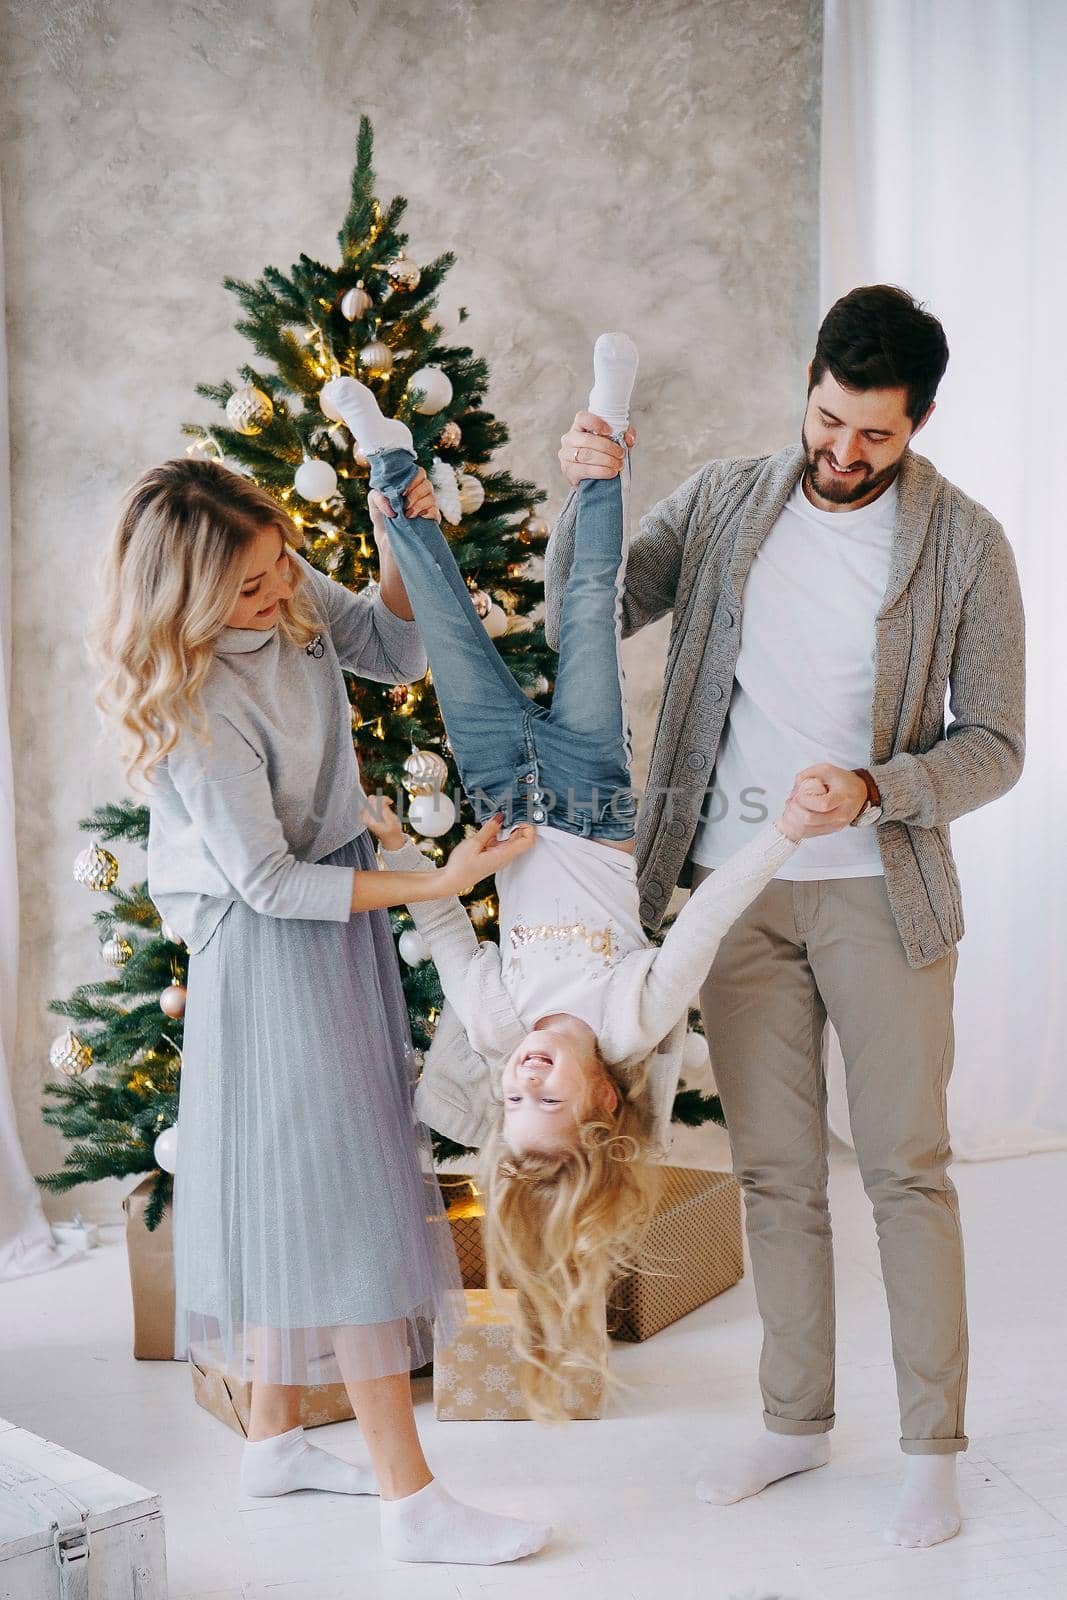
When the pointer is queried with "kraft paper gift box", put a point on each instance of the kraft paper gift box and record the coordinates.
(692, 1252)
(231, 1401)
(476, 1377)
(151, 1278)
(465, 1211)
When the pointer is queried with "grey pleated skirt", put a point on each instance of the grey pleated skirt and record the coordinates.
(310, 1239)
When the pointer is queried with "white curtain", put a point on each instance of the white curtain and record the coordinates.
(25, 1237)
(944, 169)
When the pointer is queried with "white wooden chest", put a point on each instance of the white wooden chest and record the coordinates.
(70, 1530)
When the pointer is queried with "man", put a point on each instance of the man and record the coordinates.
(824, 600)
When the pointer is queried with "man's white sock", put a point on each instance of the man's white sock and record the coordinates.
(928, 1511)
(430, 1525)
(288, 1462)
(773, 1456)
(359, 408)
(614, 372)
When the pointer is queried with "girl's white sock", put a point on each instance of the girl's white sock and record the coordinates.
(363, 419)
(288, 1462)
(614, 372)
(773, 1456)
(929, 1508)
(430, 1525)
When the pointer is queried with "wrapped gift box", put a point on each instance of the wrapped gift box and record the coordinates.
(692, 1252)
(476, 1377)
(465, 1211)
(231, 1401)
(151, 1278)
(69, 1528)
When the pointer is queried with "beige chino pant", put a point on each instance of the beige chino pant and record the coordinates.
(800, 953)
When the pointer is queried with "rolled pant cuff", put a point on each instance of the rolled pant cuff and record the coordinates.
(792, 1425)
(934, 1447)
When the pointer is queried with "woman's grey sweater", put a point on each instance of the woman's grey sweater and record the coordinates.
(250, 815)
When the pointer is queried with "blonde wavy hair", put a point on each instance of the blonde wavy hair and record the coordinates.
(167, 583)
(559, 1227)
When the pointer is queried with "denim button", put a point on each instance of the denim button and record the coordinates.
(539, 815)
(696, 759)
(529, 778)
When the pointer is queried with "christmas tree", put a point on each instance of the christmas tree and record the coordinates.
(374, 315)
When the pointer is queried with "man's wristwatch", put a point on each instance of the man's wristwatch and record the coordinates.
(871, 810)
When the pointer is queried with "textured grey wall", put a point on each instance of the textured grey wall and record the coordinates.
(644, 164)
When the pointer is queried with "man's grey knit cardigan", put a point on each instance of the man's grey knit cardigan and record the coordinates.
(951, 617)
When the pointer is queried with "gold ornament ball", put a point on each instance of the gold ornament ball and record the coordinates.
(534, 527)
(403, 274)
(355, 303)
(172, 1000)
(249, 410)
(450, 437)
(471, 493)
(376, 359)
(424, 772)
(96, 868)
(116, 951)
(70, 1055)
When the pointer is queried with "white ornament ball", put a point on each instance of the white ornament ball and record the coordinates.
(116, 951)
(436, 389)
(165, 1150)
(249, 410)
(172, 1000)
(495, 621)
(471, 493)
(696, 1061)
(403, 274)
(355, 303)
(315, 480)
(376, 358)
(413, 947)
(432, 814)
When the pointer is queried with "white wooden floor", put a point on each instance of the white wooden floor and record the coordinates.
(619, 1491)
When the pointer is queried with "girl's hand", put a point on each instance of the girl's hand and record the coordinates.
(382, 821)
(418, 502)
(483, 854)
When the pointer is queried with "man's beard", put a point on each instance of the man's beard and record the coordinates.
(856, 488)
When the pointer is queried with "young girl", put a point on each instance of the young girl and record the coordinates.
(574, 1025)
(309, 1240)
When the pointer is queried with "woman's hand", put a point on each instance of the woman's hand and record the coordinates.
(483, 854)
(589, 451)
(382, 821)
(798, 821)
(418, 502)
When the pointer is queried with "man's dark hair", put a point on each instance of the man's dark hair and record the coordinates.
(881, 338)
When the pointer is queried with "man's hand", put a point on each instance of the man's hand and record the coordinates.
(418, 502)
(835, 802)
(589, 451)
(482, 854)
(381, 819)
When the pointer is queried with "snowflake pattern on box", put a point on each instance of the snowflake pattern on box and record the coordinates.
(477, 1378)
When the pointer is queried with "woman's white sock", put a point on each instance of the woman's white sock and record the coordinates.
(928, 1511)
(362, 417)
(773, 1456)
(288, 1462)
(614, 372)
(430, 1525)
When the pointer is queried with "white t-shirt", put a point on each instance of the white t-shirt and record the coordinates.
(804, 681)
(568, 915)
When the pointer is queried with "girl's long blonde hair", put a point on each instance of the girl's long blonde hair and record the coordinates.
(559, 1228)
(168, 582)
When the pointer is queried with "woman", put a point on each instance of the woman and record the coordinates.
(309, 1239)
